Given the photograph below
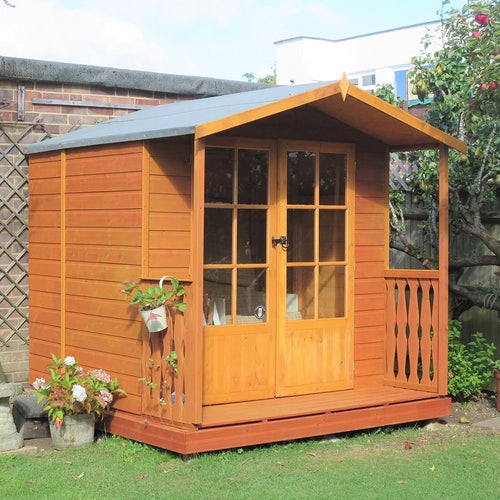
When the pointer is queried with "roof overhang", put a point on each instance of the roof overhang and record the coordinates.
(348, 104)
(357, 108)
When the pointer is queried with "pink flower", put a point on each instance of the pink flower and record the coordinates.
(39, 383)
(101, 375)
(107, 397)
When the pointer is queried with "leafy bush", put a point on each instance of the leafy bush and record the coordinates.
(469, 365)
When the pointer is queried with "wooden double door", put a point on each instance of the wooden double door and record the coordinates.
(278, 269)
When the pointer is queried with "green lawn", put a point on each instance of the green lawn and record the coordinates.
(456, 462)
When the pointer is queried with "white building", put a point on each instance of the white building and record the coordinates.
(368, 60)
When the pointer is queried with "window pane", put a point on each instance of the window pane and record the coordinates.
(300, 177)
(219, 175)
(331, 235)
(300, 293)
(217, 296)
(251, 294)
(300, 234)
(252, 176)
(332, 179)
(331, 291)
(252, 236)
(218, 236)
(368, 80)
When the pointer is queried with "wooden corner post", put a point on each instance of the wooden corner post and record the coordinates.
(443, 272)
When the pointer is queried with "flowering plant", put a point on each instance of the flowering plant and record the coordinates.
(71, 391)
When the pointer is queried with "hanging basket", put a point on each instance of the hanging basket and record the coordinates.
(155, 319)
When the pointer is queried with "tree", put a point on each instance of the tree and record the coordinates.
(271, 78)
(462, 78)
(8, 3)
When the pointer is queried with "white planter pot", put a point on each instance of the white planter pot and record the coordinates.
(155, 319)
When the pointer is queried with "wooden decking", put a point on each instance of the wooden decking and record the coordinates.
(252, 423)
(311, 404)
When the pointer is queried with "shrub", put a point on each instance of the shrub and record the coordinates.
(469, 365)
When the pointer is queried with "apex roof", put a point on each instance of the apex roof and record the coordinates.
(203, 117)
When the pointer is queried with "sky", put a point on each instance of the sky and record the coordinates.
(209, 38)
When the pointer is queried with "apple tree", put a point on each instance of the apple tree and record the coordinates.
(462, 81)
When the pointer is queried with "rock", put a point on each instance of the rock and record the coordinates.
(435, 426)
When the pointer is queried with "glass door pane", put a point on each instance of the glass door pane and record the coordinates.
(316, 235)
(235, 239)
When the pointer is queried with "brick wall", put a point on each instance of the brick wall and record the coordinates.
(65, 107)
(29, 112)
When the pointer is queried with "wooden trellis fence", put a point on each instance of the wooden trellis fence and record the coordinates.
(14, 230)
(400, 173)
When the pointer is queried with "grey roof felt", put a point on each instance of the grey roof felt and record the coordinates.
(168, 120)
(356, 108)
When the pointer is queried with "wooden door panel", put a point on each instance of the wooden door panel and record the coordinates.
(314, 358)
(239, 364)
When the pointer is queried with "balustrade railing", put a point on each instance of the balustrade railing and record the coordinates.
(412, 329)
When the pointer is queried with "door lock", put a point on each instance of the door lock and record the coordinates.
(282, 240)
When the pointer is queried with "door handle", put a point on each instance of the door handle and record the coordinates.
(282, 240)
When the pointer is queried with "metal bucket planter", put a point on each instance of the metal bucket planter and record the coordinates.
(155, 319)
(75, 431)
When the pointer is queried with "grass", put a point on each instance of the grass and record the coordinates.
(458, 462)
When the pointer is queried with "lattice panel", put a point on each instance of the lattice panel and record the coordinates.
(14, 229)
(400, 173)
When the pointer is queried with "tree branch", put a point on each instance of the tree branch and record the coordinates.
(473, 261)
(412, 251)
(480, 298)
(474, 227)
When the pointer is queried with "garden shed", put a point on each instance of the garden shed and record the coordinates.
(271, 208)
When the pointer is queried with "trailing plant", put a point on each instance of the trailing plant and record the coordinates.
(148, 382)
(469, 364)
(172, 360)
(155, 296)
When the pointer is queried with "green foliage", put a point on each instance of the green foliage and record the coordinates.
(469, 365)
(269, 79)
(72, 391)
(172, 360)
(147, 382)
(151, 367)
(387, 93)
(463, 79)
(155, 296)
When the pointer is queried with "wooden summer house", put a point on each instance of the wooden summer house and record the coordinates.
(271, 208)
